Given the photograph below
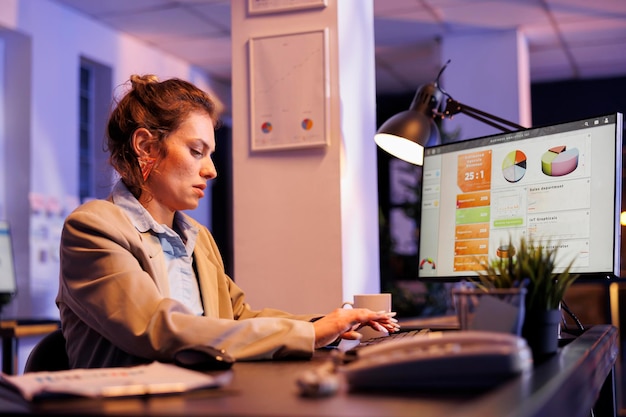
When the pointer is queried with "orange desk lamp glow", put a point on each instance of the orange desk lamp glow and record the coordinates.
(406, 134)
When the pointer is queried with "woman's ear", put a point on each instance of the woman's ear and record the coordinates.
(144, 147)
(143, 143)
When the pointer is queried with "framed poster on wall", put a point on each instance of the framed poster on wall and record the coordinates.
(274, 6)
(289, 91)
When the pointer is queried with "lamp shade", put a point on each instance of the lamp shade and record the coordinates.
(405, 134)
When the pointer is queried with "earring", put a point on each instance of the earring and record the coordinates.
(146, 164)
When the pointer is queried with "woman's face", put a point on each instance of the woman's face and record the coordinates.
(179, 180)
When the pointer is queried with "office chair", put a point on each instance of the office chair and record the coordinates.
(48, 354)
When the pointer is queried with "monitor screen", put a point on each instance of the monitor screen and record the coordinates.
(8, 282)
(558, 184)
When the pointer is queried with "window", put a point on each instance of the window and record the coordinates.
(85, 129)
(95, 94)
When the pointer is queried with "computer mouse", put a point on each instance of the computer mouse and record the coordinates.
(204, 358)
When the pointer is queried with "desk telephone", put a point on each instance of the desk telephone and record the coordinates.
(449, 359)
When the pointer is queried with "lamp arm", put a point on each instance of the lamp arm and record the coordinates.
(454, 107)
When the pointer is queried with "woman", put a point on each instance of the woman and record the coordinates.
(139, 279)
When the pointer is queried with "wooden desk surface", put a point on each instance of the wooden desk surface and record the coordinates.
(13, 328)
(568, 384)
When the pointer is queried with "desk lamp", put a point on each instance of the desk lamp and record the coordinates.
(405, 134)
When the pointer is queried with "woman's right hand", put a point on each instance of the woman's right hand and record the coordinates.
(344, 323)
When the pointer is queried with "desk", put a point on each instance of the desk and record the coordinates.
(568, 384)
(12, 330)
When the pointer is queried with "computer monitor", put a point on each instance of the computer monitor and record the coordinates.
(559, 184)
(8, 281)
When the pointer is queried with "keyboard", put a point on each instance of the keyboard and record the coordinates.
(353, 353)
(433, 359)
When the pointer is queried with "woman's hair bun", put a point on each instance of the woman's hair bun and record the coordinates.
(143, 79)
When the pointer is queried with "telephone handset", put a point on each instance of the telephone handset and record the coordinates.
(449, 359)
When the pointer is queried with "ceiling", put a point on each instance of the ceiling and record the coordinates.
(568, 39)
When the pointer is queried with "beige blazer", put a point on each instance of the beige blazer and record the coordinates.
(114, 305)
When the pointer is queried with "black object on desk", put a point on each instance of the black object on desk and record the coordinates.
(204, 358)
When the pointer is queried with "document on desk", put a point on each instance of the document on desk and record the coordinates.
(151, 379)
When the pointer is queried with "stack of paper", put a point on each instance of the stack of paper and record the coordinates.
(155, 378)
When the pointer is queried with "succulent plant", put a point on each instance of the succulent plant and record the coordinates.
(532, 265)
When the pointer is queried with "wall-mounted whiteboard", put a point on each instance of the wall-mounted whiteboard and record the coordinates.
(289, 91)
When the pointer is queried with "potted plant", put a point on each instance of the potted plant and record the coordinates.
(533, 265)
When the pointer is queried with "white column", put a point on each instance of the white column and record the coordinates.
(306, 220)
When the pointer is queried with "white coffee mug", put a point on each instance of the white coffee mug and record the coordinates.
(374, 302)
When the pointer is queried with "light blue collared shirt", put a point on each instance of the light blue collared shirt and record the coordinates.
(178, 254)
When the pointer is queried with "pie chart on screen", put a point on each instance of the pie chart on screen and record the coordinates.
(514, 166)
(559, 161)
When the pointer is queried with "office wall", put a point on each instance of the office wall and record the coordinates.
(43, 43)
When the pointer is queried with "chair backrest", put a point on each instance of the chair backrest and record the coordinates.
(49, 354)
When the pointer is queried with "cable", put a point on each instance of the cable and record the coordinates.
(573, 316)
